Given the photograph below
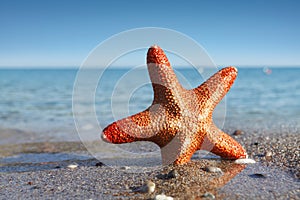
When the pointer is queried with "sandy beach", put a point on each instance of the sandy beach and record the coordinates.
(41, 171)
(81, 80)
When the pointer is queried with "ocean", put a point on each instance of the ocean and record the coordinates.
(39, 101)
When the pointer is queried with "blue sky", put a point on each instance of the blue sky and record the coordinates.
(62, 33)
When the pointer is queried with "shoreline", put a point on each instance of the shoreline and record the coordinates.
(41, 170)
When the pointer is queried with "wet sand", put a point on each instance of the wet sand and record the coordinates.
(40, 171)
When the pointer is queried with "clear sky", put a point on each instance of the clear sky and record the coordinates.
(63, 32)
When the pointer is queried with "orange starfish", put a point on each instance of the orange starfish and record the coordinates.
(179, 121)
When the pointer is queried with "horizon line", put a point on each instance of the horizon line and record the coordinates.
(128, 67)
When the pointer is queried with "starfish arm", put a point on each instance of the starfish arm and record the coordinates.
(130, 129)
(179, 150)
(177, 159)
(163, 78)
(185, 156)
(149, 125)
(214, 89)
(224, 145)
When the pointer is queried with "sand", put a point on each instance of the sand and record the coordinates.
(40, 171)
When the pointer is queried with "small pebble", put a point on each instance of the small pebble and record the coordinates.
(257, 175)
(163, 197)
(208, 195)
(35, 187)
(244, 161)
(237, 132)
(72, 166)
(125, 168)
(268, 154)
(213, 169)
(149, 187)
(99, 164)
(172, 174)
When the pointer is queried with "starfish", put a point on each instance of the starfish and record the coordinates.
(179, 121)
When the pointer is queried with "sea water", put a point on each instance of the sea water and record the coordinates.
(40, 100)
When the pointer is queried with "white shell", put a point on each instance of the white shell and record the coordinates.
(72, 166)
(163, 197)
(149, 187)
(213, 169)
(244, 161)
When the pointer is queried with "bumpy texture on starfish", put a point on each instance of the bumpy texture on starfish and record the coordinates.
(179, 121)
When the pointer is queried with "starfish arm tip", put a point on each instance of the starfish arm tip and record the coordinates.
(232, 67)
(229, 71)
(156, 55)
(155, 46)
(115, 134)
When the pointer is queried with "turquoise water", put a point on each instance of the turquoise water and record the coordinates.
(40, 100)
